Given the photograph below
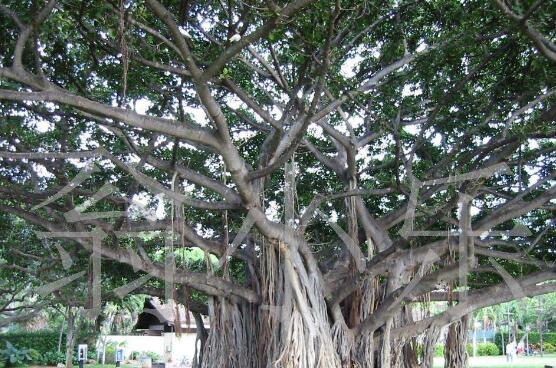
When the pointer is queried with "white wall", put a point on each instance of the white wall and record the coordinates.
(181, 347)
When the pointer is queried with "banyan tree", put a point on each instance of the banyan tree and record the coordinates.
(342, 164)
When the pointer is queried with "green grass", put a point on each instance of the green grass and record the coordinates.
(76, 366)
(500, 362)
(477, 362)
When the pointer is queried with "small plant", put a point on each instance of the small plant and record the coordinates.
(154, 356)
(439, 350)
(52, 358)
(13, 356)
(549, 348)
(134, 355)
(487, 349)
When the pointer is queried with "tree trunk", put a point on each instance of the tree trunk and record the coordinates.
(455, 353)
(293, 326)
(61, 333)
(202, 336)
(429, 345)
(103, 356)
(410, 354)
(290, 328)
(70, 337)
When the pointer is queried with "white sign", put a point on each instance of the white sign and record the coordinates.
(82, 352)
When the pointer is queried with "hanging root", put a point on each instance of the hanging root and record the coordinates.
(363, 352)
(307, 345)
(455, 354)
(429, 344)
(275, 306)
(308, 342)
(343, 341)
(232, 337)
(385, 353)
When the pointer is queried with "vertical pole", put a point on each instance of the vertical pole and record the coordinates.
(527, 342)
(540, 332)
(503, 345)
(474, 338)
(169, 267)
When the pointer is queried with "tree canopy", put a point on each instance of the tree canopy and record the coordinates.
(335, 160)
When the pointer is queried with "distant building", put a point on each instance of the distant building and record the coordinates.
(165, 329)
(158, 318)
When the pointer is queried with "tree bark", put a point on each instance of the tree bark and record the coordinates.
(202, 336)
(70, 337)
(61, 332)
(455, 352)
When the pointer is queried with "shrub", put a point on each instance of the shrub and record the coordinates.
(549, 348)
(41, 341)
(45, 345)
(45, 341)
(12, 356)
(110, 357)
(51, 358)
(134, 355)
(154, 356)
(483, 349)
(469, 349)
(534, 338)
(487, 349)
(439, 350)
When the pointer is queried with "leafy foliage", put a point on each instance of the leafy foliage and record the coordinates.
(51, 358)
(213, 104)
(487, 349)
(41, 341)
(12, 356)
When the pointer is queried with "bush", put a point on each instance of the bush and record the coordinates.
(487, 349)
(41, 341)
(548, 347)
(439, 350)
(483, 349)
(534, 338)
(134, 355)
(110, 357)
(12, 356)
(45, 341)
(154, 356)
(51, 358)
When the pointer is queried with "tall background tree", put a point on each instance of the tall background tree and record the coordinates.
(302, 130)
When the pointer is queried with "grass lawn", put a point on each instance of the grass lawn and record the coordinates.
(77, 366)
(500, 361)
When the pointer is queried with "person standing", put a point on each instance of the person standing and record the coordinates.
(511, 350)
